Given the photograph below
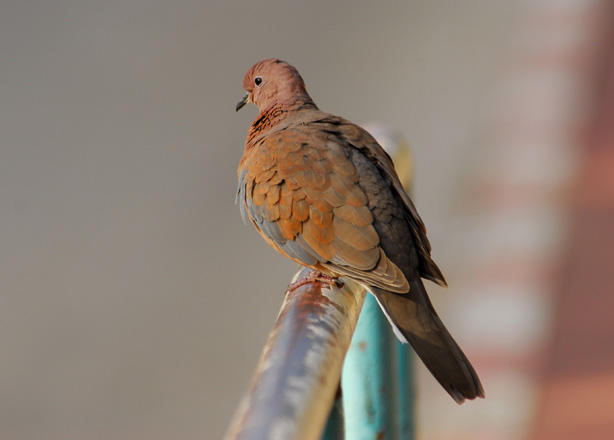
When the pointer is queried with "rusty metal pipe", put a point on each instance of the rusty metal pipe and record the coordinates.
(297, 377)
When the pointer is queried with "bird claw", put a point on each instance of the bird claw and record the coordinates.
(316, 277)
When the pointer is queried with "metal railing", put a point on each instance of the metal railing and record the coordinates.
(297, 378)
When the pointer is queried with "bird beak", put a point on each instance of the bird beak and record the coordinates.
(242, 102)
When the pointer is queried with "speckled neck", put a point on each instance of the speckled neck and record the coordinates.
(275, 115)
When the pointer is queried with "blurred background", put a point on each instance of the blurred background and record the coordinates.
(133, 301)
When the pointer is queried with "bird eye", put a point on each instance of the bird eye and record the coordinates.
(258, 81)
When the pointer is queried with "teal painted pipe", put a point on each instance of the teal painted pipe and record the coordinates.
(369, 384)
(405, 371)
(334, 429)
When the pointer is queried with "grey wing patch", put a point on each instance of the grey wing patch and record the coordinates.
(297, 249)
(271, 230)
(240, 197)
(300, 250)
(257, 213)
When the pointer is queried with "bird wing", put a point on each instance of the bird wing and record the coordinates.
(301, 189)
(351, 134)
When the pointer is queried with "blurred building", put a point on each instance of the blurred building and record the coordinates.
(536, 253)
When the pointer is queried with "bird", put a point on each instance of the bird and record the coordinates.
(321, 191)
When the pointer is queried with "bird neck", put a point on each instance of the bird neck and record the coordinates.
(275, 114)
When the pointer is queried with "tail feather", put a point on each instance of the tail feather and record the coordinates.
(413, 315)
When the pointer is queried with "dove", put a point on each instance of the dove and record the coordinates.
(321, 191)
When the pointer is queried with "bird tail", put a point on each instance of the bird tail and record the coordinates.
(412, 316)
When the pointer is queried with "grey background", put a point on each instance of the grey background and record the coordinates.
(133, 302)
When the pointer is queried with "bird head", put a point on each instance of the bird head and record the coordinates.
(273, 82)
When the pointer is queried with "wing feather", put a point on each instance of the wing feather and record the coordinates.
(309, 205)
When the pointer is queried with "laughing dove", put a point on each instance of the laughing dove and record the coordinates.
(321, 191)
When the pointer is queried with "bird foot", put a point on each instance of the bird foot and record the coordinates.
(316, 277)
